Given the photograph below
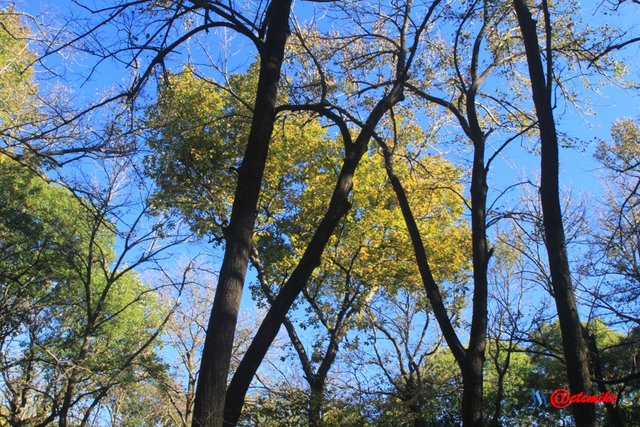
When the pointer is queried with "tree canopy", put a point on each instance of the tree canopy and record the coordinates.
(318, 213)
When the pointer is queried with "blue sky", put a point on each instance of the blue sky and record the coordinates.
(579, 171)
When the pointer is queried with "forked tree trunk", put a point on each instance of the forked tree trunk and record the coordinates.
(575, 351)
(214, 368)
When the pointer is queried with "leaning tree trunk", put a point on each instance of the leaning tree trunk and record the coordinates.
(575, 351)
(214, 368)
(471, 360)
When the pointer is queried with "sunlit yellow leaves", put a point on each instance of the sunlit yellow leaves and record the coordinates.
(202, 133)
(17, 88)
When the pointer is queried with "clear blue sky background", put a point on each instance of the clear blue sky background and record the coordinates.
(579, 171)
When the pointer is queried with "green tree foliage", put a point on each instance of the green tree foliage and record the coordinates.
(198, 137)
(37, 236)
(68, 327)
(197, 147)
(197, 141)
(17, 88)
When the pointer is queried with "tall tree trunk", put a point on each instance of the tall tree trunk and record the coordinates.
(472, 372)
(338, 207)
(270, 326)
(470, 360)
(214, 367)
(575, 351)
(472, 379)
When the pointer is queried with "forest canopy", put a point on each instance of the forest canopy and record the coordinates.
(319, 213)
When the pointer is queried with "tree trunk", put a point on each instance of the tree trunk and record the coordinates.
(412, 399)
(472, 380)
(214, 368)
(74, 377)
(316, 400)
(502, 373)
(270, 326)
(576, 357)
(472, 369)
(418, 419)
(316, 380)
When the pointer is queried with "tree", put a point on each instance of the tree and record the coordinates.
(17, 76)
(87, 322)
(513, 279)
(398, 333)
(174, 388)
(475, 113)
(615, 350)
(269, 38)
(402, 56)
(36, 228)
(615, 254)
(575, 350)
(185, 333)
(357, 264)
(140, 404)
(186, 146)
(38, 122)
(273, 164)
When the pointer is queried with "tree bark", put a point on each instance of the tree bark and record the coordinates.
(472, 372)
(472, 379)
(575, 352)
(214, 368)
(470, 360)
(316, 400)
